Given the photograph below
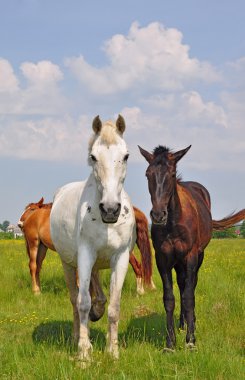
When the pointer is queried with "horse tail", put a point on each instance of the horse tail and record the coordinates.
(143, 243)
(228, 221)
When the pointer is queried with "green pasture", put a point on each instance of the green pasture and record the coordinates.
(35, 331)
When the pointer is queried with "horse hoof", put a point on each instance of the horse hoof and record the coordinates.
(191, 347)
(152, 286)
(169, 350)
(95, 314)
(140, 292)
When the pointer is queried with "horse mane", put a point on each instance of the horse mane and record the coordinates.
(108, 134)
(47, 205)
(43, 205)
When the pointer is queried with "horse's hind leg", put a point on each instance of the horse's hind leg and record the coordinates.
(137, 268)
(32, 251)
(42, 250)
(189, 299)
(97, 297)
(71, 282)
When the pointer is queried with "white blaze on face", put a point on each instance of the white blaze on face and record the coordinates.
(159, 184)
(110, 169)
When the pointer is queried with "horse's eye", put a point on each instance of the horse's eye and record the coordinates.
(126, 157)
(93, 158)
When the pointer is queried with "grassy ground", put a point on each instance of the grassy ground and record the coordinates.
(35, 331)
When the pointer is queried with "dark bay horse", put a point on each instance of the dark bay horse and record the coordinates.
(35, 224)
(181, 229)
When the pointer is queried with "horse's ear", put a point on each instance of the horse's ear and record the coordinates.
(178, 155)
(40, 202)
(148, 156)
(97, 125)
(120, 123)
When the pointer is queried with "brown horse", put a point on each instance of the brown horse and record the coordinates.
(35, 224)
(181, 229)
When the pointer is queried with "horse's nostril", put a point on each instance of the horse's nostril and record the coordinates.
(117, 209)
(101, 206)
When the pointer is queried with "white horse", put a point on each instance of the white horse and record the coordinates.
(93, 227)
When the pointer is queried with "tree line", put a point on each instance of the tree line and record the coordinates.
(4, 225)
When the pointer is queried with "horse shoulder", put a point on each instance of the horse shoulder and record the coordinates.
(63, 218)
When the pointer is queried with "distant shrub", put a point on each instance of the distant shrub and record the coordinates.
(242, 229)
(225, 234)
(6, 235)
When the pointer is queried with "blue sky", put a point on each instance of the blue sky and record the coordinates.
(174, 69)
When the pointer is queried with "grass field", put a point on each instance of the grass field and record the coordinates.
(35, 331)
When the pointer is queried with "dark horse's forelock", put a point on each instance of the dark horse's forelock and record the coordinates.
(159, 150)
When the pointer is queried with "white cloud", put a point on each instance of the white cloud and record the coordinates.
(44, 73)
(188, 108)
(194, 109)
(41, 94)
(151, 56)
(52, 139)
(8, 81)
(151, 78)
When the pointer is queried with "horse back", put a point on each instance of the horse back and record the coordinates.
(196, 215)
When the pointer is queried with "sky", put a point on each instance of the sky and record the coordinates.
(175, 70)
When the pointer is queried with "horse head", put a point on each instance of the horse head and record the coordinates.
(108, 156)
(161, 175)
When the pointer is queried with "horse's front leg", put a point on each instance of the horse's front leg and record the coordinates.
(119, 265)
(86, 260)
(165, 262)
(181, 275)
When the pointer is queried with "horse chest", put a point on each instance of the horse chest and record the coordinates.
(176, 242)
(108, 239)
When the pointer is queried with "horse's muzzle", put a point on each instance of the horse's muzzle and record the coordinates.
(110, 213)
(159, 217)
